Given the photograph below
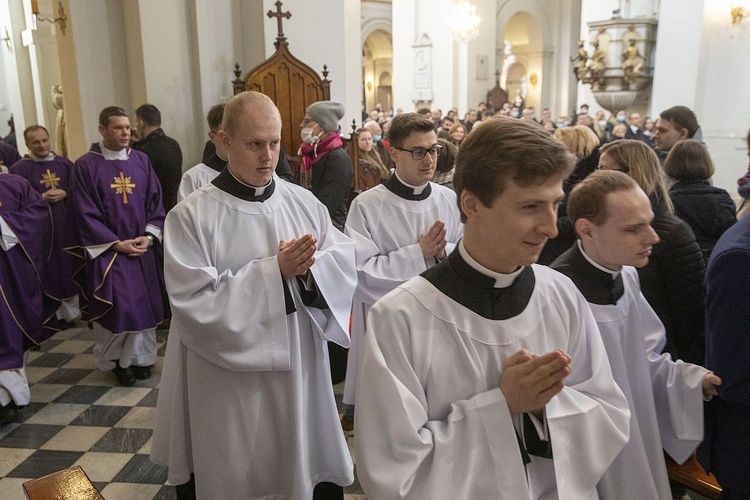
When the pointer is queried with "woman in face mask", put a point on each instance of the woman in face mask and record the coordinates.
(326, 168)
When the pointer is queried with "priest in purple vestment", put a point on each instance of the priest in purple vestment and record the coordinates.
(26, 311)
(8, 156)
(51, 176)
(117, 206)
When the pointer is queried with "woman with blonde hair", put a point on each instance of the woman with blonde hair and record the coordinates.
(457, 134)
(372, 167)
(672, 282)
(584, 144)
(708, 210)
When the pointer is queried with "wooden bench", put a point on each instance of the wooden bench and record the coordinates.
(693, 477)
(67, 484)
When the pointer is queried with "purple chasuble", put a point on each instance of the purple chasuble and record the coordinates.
(114, 200)
(24, 307)
(8, 154)
(56, 173)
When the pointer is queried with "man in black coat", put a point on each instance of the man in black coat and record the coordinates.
(164, 152)
(727, 431)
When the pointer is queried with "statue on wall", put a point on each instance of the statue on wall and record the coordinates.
(61, 143)
(579, 62)
(632, 62)
(597, 66)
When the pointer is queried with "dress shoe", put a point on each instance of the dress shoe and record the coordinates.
(347, 425)
(125, 376)
(8, 413)
(141, 372)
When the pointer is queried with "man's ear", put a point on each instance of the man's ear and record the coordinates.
(394, 153)
(469, 204)
(224, 138)
(585, 229)
(683, 133)
(102, 129)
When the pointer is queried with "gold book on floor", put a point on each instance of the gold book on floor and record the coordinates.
(67, 484)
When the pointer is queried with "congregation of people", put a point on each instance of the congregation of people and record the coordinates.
(533, 306)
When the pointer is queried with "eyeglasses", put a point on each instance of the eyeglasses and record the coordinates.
(420, 153)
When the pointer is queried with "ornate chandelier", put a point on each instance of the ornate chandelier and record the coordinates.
(464, 21)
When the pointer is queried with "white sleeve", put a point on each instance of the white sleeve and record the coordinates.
(402, 453)
(379, 273)
(678, 389)
(589, 420)
(235, 320)
(9, 238)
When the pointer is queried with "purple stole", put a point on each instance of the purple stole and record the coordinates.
(115, 200)
(24, 307)
(46, 175)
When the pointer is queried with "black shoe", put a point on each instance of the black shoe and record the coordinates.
(125, 376)
(141, 372)
(8, 413)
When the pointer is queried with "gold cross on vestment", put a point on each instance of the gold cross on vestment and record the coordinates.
(280, 38)
(50, 180)
(123, 186)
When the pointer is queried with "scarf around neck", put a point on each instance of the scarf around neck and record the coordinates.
(313, 153)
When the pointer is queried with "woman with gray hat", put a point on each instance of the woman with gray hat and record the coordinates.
(326, 168)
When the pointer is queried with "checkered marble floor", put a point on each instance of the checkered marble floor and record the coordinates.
(80, 416)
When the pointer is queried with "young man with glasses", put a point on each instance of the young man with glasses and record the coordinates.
(400, 229)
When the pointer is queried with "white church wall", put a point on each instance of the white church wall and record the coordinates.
(481, 57)
(404, 19)
(722, 102)
(98, 37)
(10, 89)
(172, 77)
(325, 32)
(677, 60)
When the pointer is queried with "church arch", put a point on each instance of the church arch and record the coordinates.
(377, 68)
(522, 26)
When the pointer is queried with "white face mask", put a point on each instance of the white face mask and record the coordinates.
(307, 135)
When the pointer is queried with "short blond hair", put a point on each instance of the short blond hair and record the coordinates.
(237, 104)
(580, 140)
(588, 199)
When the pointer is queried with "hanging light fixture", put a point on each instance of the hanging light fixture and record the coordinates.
(464, 21)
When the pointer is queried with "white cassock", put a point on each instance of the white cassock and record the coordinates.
(665, 396)
(195, 177)
(431, 421)
(246, 400)
(385, 223)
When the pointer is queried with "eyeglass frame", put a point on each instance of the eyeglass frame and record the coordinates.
(436, 147)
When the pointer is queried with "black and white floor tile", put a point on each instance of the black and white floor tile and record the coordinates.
(80, 416)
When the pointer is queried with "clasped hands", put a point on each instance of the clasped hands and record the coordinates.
(135, 247)
(295, 256)
(433, 241)
(54, 195)
(529, 380)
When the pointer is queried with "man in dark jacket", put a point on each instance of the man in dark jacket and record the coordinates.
(164, 152)
(727, 431)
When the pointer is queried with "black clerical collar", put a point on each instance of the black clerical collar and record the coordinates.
(215, 162)
(395, 186)
(477, 292)
(229, 184)
(597, 286)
